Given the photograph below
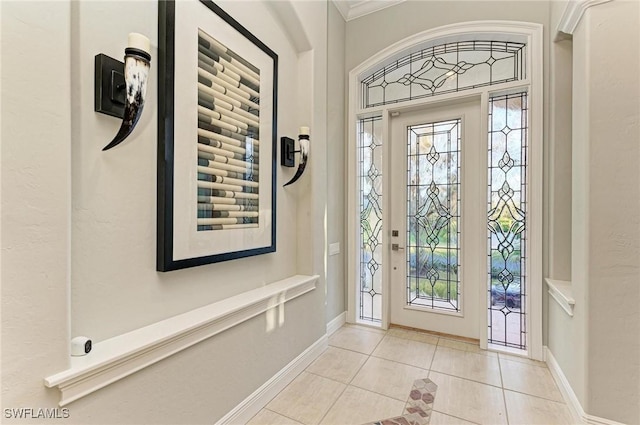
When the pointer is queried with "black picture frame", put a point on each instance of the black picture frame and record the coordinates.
(167, 186)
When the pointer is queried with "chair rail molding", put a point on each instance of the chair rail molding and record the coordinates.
(560, 290)
(123, 355)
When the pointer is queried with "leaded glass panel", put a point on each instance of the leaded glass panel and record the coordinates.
(506, 218)
(369, 136)
(444, 68)
(433, 215)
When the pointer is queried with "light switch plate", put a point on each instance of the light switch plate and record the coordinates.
(334, 248)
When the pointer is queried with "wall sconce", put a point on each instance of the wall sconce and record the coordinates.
(287, 153)
(120, 88)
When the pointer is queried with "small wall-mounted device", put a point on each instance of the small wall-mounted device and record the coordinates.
(287, 153)
(80, 346)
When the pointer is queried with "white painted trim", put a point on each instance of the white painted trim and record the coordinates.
(385, 233)
(118, 357)
(342, 7)
(561, 291)
(353, 276)
(336, 323)
(573, 13)
(366, 7)
(595, 420)
(577, 412)
(536, 200)
(250, 406)
(565, 388)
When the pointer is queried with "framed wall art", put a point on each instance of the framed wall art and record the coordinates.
(217, 106)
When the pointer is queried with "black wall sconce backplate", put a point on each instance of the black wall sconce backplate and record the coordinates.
(110, 86)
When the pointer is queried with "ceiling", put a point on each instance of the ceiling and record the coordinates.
(352, 9)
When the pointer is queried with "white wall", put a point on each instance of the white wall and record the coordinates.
(79, 223)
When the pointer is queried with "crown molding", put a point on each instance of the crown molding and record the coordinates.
(573, 14)
(342, 7)
(363, 7)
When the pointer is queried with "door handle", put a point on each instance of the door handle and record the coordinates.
(396, 247)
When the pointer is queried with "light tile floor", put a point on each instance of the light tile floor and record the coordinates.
(366, 375)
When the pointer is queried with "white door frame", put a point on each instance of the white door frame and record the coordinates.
(464, 321)
(516, 31)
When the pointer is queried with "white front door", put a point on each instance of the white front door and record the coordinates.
(438, 219)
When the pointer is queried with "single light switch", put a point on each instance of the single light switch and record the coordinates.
(334, 248)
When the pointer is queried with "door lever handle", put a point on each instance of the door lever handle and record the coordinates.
(396, 247)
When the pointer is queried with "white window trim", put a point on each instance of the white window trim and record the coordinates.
(517, 30)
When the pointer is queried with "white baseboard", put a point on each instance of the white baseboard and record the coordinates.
(595, 420)
(249, 407)
(578, 413)
(336, 323)
(565, 388)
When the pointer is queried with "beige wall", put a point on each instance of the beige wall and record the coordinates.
(598, 348)
(36, 199)
(114, 192)
(78, 237)
(336, 187)
(371, 33)
(567, 336)
(612, 37)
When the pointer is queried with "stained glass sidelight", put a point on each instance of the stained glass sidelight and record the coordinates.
(444, 68)
(433, 215)
(369, 135)
(506, 218)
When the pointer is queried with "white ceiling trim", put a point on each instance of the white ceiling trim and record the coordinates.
(342, 7)
(351, 10)
(574, 12)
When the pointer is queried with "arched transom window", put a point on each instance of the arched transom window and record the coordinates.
(444, 68)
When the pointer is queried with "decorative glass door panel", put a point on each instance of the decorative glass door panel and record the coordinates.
(433, 215)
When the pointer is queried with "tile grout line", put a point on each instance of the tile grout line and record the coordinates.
(332, 404)
(404, 364)
(433, 356)
(380, 394)
(504, 397)
(522, 392)
(457, 417)
(535, 396)
(349, 383)
(280, 414)
(369, 356)
(467, 379)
